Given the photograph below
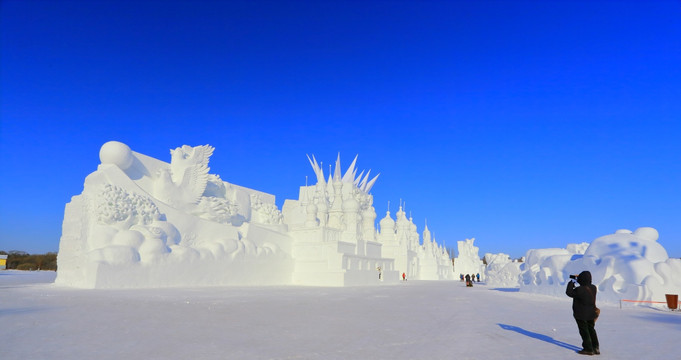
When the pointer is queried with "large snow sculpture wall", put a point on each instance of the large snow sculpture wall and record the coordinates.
(624, 265)
(142, 222)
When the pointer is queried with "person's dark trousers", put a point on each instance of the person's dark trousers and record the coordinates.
(588, 334)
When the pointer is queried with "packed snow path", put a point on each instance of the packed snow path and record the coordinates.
(411, 320)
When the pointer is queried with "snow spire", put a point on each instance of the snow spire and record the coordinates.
(371, 183)
(319, 172)
(357, 179)
(307, 191)
(362, 184)
(349, 173)
(337, 171)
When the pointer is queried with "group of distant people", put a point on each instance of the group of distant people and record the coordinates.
(470, 278)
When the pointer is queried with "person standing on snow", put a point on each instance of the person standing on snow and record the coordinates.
(584, 311)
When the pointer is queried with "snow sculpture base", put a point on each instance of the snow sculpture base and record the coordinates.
(323, 260)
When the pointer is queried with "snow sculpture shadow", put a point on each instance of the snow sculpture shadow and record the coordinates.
(506, 289)
(667, 317)
(541, 337)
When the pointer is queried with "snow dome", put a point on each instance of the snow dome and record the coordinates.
(116, 153)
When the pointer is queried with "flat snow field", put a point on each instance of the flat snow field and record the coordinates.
(410, 320)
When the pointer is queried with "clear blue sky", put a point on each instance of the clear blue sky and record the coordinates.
(524, 124)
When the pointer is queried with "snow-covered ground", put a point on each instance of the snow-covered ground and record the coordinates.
(411, 320)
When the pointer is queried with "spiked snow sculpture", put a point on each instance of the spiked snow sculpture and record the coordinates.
(336, 217)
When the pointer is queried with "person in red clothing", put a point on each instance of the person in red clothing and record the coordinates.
(404, 277)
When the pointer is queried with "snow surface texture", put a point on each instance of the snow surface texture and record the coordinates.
(413, 320)
(142, 222)
(624, 265)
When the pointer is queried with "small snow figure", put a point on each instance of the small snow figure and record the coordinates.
(404, 277)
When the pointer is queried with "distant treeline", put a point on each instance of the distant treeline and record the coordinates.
(21, 260)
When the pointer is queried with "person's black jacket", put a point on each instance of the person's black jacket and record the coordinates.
(583, 297)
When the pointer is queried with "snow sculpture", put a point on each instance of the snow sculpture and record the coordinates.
(182, 184)
(624, 265)
(332, 227)
(335, 219)
(142, 222)
(468, 261)
(434, 260)
(400, 239)
(501, 271)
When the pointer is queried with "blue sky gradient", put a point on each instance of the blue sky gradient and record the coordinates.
(524, 124)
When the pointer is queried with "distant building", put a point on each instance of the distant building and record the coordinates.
(3, 262)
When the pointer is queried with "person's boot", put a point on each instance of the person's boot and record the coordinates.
(596, 351)
(585, 352)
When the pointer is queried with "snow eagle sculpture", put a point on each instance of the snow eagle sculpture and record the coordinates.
(185, 181)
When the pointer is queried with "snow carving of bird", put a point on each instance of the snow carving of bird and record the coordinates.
(184, 182)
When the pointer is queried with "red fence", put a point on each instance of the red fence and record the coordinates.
(645, 301)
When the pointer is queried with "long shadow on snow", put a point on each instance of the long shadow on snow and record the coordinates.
(538, 336)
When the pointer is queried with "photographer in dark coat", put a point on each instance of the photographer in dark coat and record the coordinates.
(584, 310)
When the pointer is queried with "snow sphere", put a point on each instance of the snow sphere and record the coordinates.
(116, 153)
(647, 233)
